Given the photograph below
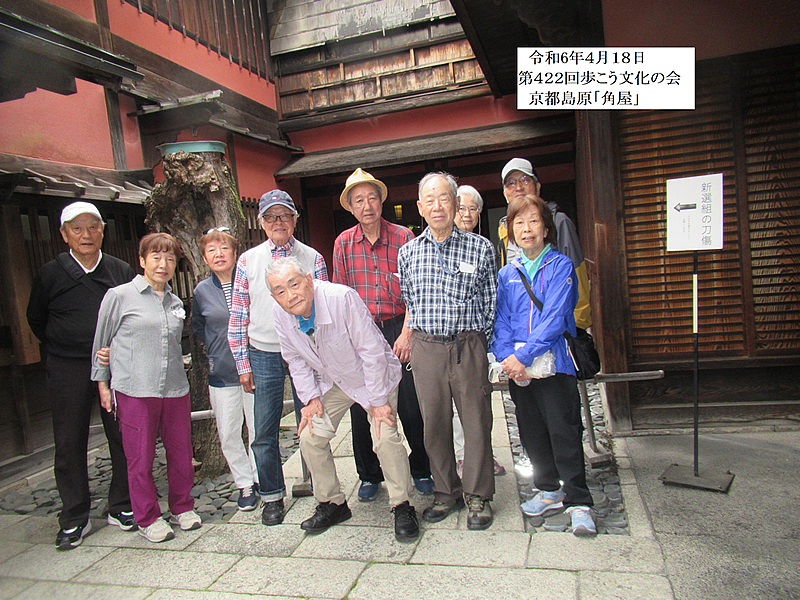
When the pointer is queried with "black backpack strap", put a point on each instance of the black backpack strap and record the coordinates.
(527, 285)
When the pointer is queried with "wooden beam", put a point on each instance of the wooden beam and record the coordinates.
(540, 132)
(382, 107)
(599, 197)
(16, 285)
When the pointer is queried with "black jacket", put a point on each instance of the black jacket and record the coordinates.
(62, 310)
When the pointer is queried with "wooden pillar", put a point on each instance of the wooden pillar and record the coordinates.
(602, 238)
(16, 289)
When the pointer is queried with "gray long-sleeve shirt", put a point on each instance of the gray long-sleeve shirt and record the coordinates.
(144, 332)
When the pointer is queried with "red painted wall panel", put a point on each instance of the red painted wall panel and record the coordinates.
(476, 112)
(71, 129)
(141, 29)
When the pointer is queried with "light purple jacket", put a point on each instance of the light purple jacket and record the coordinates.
(347, 349)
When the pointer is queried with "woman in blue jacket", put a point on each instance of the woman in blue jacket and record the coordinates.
(548, 410)
(231, 404)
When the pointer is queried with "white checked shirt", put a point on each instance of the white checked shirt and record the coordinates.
(450, 287)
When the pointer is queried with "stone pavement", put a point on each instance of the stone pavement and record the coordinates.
(360, 559)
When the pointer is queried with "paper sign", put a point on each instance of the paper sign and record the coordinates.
(694, 213)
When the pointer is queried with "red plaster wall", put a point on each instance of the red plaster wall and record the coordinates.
(127, 22)
(475, 112)
(256, 163)
(714, 27)
(71, 129)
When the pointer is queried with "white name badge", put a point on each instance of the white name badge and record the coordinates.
(466, 268)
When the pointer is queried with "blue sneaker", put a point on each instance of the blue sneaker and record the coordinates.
(543, 502)
(582, 521)
(424, 485)
(368, 491)
(248, 498)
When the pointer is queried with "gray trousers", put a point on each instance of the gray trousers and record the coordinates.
(451, 369)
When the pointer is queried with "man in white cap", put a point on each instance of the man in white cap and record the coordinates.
(519, 180)
(254, 341)
(365, 259)
(62, 313)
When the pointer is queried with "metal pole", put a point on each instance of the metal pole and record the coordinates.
(696, 367)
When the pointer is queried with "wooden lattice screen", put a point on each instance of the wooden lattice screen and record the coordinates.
(746, 126)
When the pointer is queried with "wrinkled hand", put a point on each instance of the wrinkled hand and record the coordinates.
(103, 356)
(514, 369)
(106, 401)
(310, 410)
(246, 380)
(402, 346)
(382, 414)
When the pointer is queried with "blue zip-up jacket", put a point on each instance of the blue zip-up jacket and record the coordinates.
(519, 321)
(210, 324)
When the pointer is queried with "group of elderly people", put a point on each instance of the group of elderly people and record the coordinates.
(403, 330)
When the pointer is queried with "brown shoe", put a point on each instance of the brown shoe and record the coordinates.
(480, 513)
(440, 510)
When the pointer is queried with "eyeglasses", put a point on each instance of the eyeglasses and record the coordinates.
(284, 218)
(220, 229)
(467, 209)
(521, 180)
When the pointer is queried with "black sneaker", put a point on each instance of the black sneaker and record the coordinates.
(123, 520)
(440, 510)
(406, 525)
(325, 515)
(72, 538)
(272, 513)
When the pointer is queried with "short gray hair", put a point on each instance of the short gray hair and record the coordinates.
(451, 181)
(282, 265)
(468, 190)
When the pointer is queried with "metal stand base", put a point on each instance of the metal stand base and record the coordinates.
(685, 477)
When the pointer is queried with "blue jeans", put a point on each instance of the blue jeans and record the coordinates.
(269, 372)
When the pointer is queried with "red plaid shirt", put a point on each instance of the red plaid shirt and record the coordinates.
(371, 269)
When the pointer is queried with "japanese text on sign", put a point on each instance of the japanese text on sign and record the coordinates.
(605, 78)
(694, 213)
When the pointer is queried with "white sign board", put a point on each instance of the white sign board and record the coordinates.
(598, 78)
(694, 213)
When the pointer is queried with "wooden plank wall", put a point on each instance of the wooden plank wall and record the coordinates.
(745, 127)
(373, 70)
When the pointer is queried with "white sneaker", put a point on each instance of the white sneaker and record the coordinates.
(188, 520)
(158, 531)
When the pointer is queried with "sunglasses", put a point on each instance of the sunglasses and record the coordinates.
(220, 229)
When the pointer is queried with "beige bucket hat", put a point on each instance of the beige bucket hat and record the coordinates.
(360, 176)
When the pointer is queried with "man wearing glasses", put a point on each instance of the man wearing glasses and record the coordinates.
(254, 342)
(519, 180)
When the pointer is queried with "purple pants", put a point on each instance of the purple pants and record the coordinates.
(141, 420)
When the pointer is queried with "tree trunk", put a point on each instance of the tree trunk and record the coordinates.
(198, 193)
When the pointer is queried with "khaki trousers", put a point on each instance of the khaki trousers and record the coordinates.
(316, 451)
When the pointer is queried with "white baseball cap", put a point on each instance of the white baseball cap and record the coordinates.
(518, 164)
(79, 208)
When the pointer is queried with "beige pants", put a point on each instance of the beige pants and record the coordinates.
(316, 451)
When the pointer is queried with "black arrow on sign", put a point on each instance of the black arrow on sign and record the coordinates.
(680, 207)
